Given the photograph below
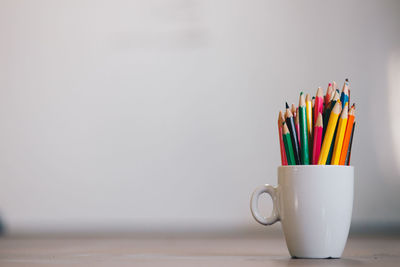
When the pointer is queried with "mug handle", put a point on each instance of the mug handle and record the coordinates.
(254, 205)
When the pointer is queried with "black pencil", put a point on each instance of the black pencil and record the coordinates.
(327, 111)
(293, 134)
(348, 154)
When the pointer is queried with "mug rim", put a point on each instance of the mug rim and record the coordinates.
(316, 166)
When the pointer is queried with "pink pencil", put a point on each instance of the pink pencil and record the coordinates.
(319, 103)
(317, 139)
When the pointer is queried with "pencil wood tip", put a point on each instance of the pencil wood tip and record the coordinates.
(320, 92)
(319, 123)
(281, 118)
(302, 101)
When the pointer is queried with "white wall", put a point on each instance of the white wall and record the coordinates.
(162, 114)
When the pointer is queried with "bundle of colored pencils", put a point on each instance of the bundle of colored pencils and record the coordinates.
(320, 130)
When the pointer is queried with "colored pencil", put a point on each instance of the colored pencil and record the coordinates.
(330, 154)
(348, 156)
(296, 124)
(328, 110)
(288, 145)
(319, 103)
(334, 86)
(349, 96)
(344, 97)
(328, 95)
(281, 120)
(302, 115)
(326, 144)
(317, 139)
(313, 106)
(293, 134)
(341, 129)
(309, 115)
(347, 135)
(293, 110)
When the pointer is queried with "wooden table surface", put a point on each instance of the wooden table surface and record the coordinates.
(185, 251)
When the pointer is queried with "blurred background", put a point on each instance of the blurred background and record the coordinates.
(161, 116)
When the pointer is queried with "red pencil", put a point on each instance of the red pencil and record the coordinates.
(317, 139)
(281, 120)
(319, 103)
(328, 95)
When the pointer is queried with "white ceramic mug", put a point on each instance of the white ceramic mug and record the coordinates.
(314, 204)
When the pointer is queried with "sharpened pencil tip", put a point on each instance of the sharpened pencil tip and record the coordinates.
(301, 93)
(347, 80)
(287, 106)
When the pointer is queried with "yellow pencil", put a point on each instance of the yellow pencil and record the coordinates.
(326, 145)
(309, 115)
(337, 149)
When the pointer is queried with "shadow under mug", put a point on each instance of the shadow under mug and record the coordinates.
(314, 204)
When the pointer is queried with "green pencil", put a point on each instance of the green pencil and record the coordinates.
(305, 159)
(288, 145)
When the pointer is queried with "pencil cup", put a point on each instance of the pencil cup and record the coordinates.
(314, 204)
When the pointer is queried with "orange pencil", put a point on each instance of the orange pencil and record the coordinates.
(281, 120)
(347, 135)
